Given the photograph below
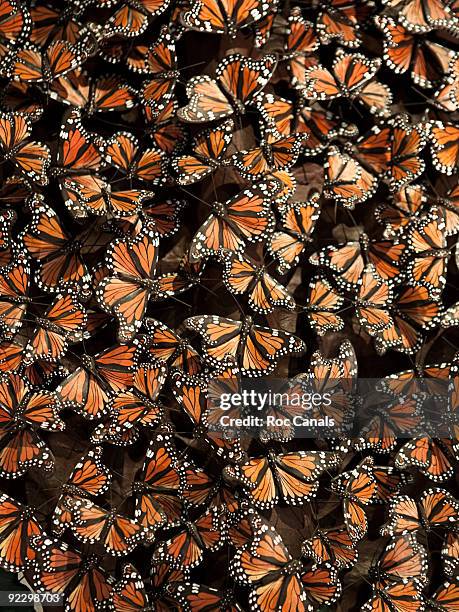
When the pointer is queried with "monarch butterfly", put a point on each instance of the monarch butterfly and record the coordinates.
(258, 349)
(447, 95)
(389, 481)
(449, 208)
(15, 25)
(300, 34)
(194, 597)
(405, 206)
(298, 222)
(292, 476)
(118, 533)
(200, 486)
(60, 262)
(83, 190)
(436, 509)
(282, 185)
(106, 94)
(333, 545)
(323, 304)
(117, 49)
(388, 422)
(341, 20)
(450, 554)
(273, 153)
(278, 581)
(334, 376)
(88, 477)
(208, 147)
(162, 217)
(428, 252)
(346, 181)
(446, 597)
(14, 289)
(50, 25)
(238, 80)
(38, 375)
(242, 275)
(358, 489)
(211, 16)
(286, 117)
(403, 51)
(16, 190)
(262, 29)
(129, 593)
(125, 293)
(450, 317)
(22, 99)
(134, 407)
(392, 595)
(161, 66)
(123, 152)
(402, 559)
(164, 578)
(30, 158)
(432, 456)
(242, 527)
(199, 395)
(183, 278)
(10, 356)
(92, 194)
(352, 77)
(374, 297)
(300, 43)
(62, 323)
(186, 549)
(79, 152)
(133, 17)
(431, 379)
(245, 217)
(420, 16)
(78, 156)
(279, 415)
(7, 219)
(63, 570)
(413, 310)
(22, 414)
(18, 528)
(445, 148)
(7, 256)
(31, 64)
(167, 132)
(159, 484)
(393, 152)
(88, 389)
(165, 344)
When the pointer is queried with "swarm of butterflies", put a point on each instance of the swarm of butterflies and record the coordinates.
(202, 189)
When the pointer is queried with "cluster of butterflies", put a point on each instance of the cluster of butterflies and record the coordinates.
(196, 190)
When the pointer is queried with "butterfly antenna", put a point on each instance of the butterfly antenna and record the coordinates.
(352, 217)
(192, 195)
